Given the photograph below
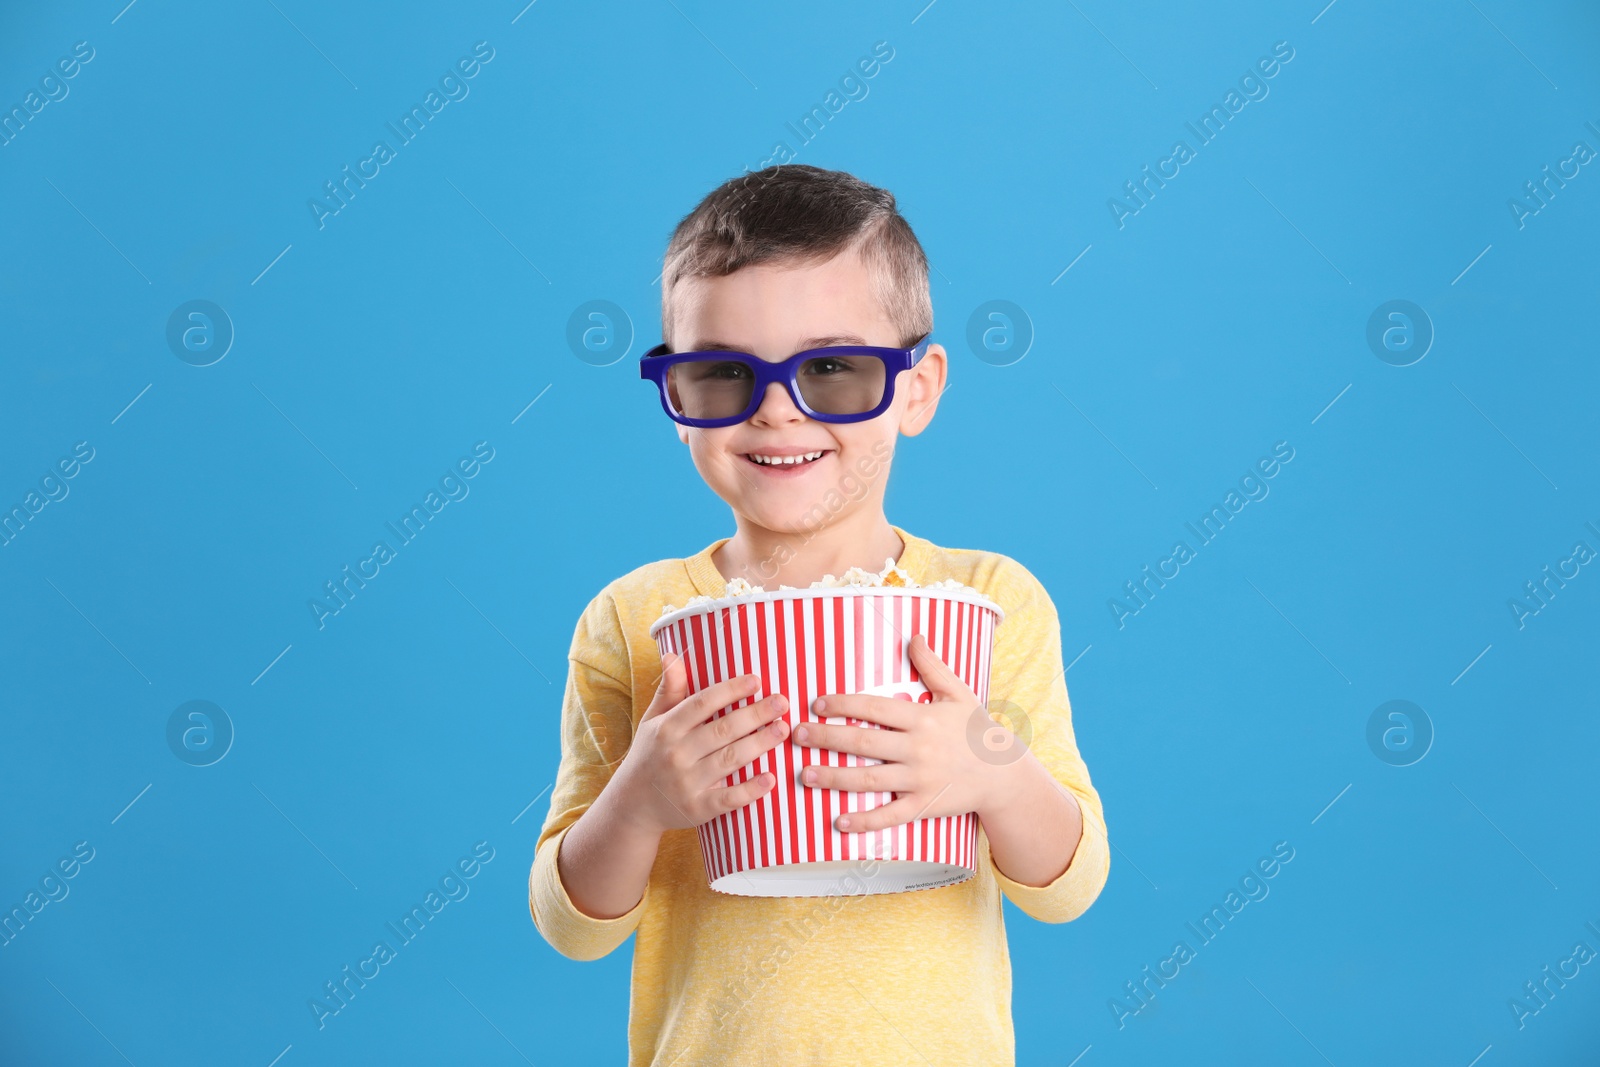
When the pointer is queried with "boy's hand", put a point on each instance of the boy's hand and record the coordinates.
(674, 770)
(929, 763)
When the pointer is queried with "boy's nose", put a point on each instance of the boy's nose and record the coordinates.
(777, 406)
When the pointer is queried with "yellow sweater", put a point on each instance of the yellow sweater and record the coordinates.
(724, 981)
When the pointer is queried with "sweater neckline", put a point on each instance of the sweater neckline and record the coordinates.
(708, 581)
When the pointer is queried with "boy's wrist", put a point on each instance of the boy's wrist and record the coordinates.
(1010, 786)
(1033, 822)
(605, 861)
(630, 810)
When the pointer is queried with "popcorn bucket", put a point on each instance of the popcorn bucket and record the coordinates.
(806, 643)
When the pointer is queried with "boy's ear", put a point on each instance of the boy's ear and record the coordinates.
(923, 385)
(683, 432)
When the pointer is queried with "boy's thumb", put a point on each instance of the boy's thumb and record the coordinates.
(673, 688)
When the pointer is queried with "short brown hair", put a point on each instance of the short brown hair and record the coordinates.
(798, 212)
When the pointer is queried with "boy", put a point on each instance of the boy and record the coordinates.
(788, 260)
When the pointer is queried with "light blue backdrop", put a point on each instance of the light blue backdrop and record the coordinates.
(1167, 349)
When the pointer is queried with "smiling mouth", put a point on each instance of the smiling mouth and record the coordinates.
(785, 462)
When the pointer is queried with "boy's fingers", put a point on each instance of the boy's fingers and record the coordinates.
(729, 758)
(902, 809)
(737, 796)
(897, 713)
(874, 778)
(884, 744)
(708, 737)
(690, 711)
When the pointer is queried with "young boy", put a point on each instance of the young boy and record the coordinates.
(788, 260)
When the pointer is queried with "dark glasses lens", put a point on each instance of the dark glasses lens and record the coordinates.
(722, 388)
(842, 385)
(709, 388)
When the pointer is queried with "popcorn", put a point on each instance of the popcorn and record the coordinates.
(740, 587)
(890, 576)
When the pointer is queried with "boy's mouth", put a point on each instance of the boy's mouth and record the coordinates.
(782, 465)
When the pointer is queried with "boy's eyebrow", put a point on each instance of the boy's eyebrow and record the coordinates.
(809, 343)
(827, 342)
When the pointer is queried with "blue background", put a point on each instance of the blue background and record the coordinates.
(375, 350)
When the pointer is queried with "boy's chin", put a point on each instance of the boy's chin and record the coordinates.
(780, 524)
(790, 522)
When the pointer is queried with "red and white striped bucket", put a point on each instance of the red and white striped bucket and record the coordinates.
(807, 643)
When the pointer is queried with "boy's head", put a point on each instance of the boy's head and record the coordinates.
(784, 260)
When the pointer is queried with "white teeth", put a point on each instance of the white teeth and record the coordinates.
(781, 461)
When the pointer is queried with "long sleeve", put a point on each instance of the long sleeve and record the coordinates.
(596, 729)
(1027, 672)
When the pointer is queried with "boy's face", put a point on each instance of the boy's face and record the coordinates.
(773, 311)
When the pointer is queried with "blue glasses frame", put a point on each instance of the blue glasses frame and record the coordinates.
(653, 367)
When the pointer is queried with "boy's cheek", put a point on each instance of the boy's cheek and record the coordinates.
(881, 454)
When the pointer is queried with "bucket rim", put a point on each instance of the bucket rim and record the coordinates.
(768, 596)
